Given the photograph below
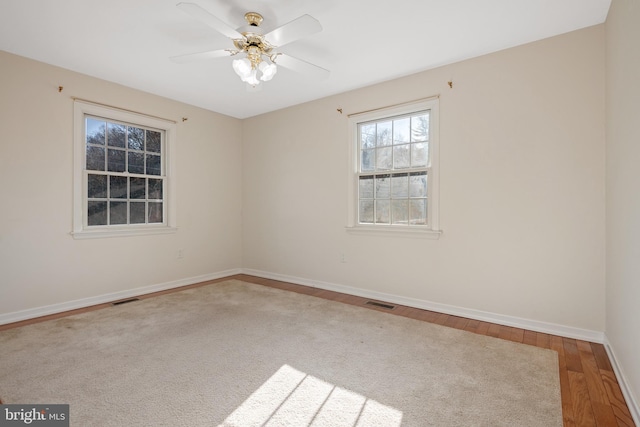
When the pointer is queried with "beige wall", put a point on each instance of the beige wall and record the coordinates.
(623, 189)
(522, 188)
(40, 263)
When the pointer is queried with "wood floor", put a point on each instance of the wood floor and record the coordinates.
(591, 396)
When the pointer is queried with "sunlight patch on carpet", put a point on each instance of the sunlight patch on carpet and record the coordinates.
(292, 397)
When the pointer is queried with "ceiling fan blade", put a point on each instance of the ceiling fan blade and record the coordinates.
(294, 30)
(191, 57)
(300, 66)
(205, 17)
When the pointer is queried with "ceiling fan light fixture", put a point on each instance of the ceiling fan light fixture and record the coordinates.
(248, 72)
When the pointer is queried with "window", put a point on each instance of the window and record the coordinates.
(394, 174)
(122, 182)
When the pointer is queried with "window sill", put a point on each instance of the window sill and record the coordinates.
(121, 232)
(423, 233)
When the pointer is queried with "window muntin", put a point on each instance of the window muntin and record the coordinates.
(124, 173)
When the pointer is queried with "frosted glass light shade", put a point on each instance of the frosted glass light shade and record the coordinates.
(242, 67)
(252, 78)
(268, 71)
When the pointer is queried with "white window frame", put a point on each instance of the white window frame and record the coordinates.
(82, 109)
(432, 229)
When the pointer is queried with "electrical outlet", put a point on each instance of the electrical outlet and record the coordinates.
(343, 258)
(180, 253)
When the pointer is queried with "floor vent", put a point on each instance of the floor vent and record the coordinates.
(124, 301)
(381, 305)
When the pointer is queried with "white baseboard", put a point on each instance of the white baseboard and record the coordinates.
(532, 325)
(632, 404)
(32, 313)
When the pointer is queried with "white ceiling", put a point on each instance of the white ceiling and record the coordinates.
(363, 42)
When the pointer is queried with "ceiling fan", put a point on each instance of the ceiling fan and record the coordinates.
(259, 51)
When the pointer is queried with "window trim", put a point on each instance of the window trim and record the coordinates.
(81, 108)
(432, 230)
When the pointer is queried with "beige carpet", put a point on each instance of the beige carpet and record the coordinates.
(239, 354)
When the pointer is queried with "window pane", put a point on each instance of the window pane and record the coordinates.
(153, 141)
(401, 131)
(400, 186)
(137, 188)
(96, 186)
(116, 160)
(418, 184)
(155, 189)
(136, 213)
(155, 212)
(420, 127)
(135, 138)
(153, 164)
(368, 135)
(383, 133)
(383, 158)
(367, 162)
(419, 154)
(418, 211)
(383, 185)
(401, 156)
(399, 211)
(96, 213)
(116, 135)
(118, 213)
(95, 131)
(136, 162)
(382, 211)
(365, 214)
(118, 187)
(365, 184)
(95, 158)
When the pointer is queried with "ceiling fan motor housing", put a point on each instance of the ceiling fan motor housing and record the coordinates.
(253, 43)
